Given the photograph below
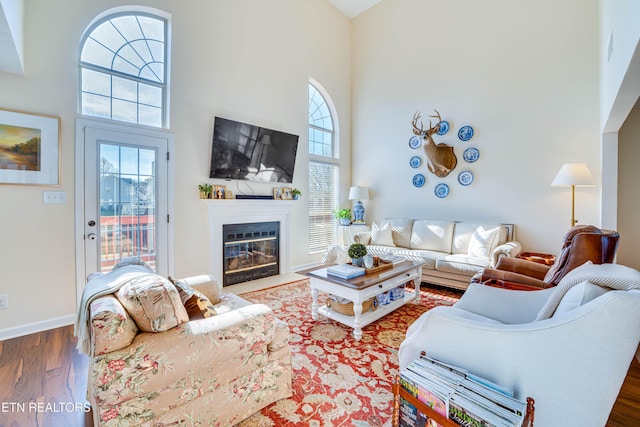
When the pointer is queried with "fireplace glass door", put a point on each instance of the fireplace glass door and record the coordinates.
(250, 251)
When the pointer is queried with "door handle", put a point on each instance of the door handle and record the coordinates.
(92, 236)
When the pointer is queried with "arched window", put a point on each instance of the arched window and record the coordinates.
(323, 170)
(123, 69)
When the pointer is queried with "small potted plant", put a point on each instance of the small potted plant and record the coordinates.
(296, 194)
(356, 252)
(343, 215)
(205, 191)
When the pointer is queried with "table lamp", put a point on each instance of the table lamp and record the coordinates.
(359, 194)
(572, 175)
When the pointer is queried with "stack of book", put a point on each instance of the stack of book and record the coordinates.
(457, 395)
(345, 271)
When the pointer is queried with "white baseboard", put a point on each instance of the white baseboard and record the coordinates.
(303, 267)
(31, 328)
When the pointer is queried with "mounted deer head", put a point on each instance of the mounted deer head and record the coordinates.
(440, 157)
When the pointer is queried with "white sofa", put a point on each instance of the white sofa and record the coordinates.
(452, 251)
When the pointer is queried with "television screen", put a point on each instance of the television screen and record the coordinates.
(243, 151)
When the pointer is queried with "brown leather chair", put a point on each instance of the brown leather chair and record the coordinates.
(582, 243)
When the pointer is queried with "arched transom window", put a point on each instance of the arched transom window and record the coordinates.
(124, 70)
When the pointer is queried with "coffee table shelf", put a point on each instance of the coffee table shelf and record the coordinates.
(369, 316)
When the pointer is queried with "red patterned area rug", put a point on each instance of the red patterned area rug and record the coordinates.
(338, 381)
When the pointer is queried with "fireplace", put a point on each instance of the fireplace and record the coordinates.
(239, 211)
(250, 251)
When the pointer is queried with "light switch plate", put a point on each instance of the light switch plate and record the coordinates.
(4, 301)
(54, 196)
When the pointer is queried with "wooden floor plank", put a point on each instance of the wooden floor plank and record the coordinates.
(45, 368)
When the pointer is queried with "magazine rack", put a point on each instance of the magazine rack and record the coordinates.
(399, 391)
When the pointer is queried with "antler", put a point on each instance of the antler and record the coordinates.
(417, 130)
(435, 128)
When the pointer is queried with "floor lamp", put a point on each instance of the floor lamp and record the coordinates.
(572, 175)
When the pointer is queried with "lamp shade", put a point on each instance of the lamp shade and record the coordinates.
(573, 174)
(359, 193)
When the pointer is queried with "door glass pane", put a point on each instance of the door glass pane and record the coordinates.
(127, 204)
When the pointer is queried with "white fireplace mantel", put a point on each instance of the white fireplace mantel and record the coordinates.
(241, 211)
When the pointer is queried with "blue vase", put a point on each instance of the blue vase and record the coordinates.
(358, 212)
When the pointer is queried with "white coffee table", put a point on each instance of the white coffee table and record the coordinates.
(360, 289)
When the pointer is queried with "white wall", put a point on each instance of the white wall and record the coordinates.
(248, 60)
(619, 69)
(523, 74)
(619, 90)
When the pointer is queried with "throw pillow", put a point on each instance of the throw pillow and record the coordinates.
(198, 306)
(401, 231)
(483, 242)
(205, 284)
(381, 235)
(153, 303)
(579, 295)
(111, 326)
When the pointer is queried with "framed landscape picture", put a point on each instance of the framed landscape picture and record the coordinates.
(29, 148)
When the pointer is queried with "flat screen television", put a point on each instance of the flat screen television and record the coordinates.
(243, 151)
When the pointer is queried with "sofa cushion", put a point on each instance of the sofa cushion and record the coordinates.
(432, 235)
(464, 230)
(464, 314)
(381, 234)
(428, 258)
(483, 242)
(153, 303)
(579, 295)
(401, 231)
(462, 264)
(111, 326)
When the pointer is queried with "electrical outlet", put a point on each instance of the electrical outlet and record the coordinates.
(4, 301)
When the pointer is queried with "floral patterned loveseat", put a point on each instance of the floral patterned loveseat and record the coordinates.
(160, 357)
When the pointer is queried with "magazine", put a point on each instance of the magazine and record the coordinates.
(426, 392)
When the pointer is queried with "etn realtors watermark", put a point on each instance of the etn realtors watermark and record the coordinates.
(59, 407)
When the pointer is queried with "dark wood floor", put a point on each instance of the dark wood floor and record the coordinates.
(43, 384)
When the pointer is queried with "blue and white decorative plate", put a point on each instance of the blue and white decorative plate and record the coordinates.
(418, 180)
(465, 133)
(470, 155)
(465, 178)
(441, 190)
(415, 141)
(444, 127)
(415, 162)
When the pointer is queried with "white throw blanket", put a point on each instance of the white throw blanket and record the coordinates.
(96, 287)
(614, 276)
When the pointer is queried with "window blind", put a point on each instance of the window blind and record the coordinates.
(323, 197)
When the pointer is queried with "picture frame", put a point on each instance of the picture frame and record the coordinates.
(287, 193)
(29, 148)
(277, 193)
(220, 192)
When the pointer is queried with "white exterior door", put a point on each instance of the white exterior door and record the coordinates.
(124, 206)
